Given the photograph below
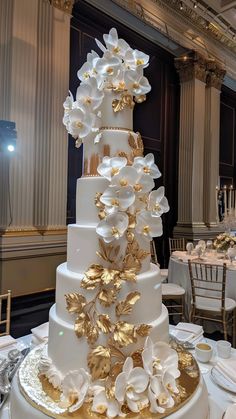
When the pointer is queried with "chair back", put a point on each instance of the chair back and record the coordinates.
(5, 312)
(176, 244)
(153, 253)
(208, 281)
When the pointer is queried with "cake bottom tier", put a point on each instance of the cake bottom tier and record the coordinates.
(196, 408)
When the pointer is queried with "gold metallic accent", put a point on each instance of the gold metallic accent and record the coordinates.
(63, 5)
(90, 165)
(125, 101)
(106, 150)
(191, 66)
(40, 394)
(116, 129)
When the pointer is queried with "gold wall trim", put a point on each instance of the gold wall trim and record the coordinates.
(25, 232)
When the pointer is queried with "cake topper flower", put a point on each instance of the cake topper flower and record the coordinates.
(108, 66)
(88, 96)
(158, 203)
(115, 45)
(75, 386)
(118, 199)
(136, 83)
(130, 386)
(147, 165)
(129, 176)
(111, 166)
(80, 123)
(88, 68)
(135, 58)
(148, 226)
(113, 226)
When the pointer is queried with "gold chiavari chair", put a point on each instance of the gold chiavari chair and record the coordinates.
(176, 244)
(208, 296)
(173, 295)
(7, 309)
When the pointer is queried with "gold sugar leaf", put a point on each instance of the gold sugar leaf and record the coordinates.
(91, 333)
(104, 323)
(97, 201)
(132, 142)
(102, 215)
(117, 105)
(140, 141)
(99, 362)
(129, 236)
(109, 275)
(116, 369)
(105, 250)
(75, 302)
(131, 262)
(125, 307)
(143, 330)
(123, 154)
(128, 275)
(132, 220)
(140, 98)
(117, 283)
(116, 353)
(107, 297)
(142, 254)
(137, 358)
(92, 277)
(133, 248)
(80, 325)
(124, 333)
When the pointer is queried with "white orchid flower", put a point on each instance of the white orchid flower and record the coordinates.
(88, 95)
(130, 385)
(80, 123)
(115, 45)
(136, 83)
(111, 166)
(108, 66)
(128, 176)
(160, 358)
(159, 397)
(135, 58)
(158, 203)
(118, 199)
(147, 165)
(75, 386)
(88, 68)
(113, 226)
(148, 226)
(68, 104)
(102, 404)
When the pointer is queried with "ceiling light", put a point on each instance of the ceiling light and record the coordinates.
(195, 5)
(181, 5)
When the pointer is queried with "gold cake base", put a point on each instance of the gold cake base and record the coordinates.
(42, 396)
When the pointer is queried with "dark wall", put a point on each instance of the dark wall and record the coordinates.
(228, 137)
(156, 119)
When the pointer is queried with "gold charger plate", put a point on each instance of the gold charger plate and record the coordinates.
(42, 396)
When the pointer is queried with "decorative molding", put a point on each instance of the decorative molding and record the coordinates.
(63, 5)
(191, 66)
(215, 75)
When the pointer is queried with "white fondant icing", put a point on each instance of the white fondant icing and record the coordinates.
(86, 210)
(146, 310)
(123, 118)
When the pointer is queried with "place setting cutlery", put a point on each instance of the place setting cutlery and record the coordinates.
(8, 368)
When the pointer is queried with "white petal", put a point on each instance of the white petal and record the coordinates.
(128, 365)
(147, 360)
(149, 159)
(100, 45)
(120, 387)
(113, 409)
(138, 378)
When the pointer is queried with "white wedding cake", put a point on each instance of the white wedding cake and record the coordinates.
(108, 353)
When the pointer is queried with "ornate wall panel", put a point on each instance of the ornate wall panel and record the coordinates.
(156, 119)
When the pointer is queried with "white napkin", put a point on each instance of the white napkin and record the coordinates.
(195, 329)
(40, 332)
(227, 368)
(6, 341)
(230, 412)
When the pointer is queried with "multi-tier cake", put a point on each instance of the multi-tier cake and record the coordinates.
(108, 353)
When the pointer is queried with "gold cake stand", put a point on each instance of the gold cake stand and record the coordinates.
(42, 396)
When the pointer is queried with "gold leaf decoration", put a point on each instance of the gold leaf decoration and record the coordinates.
(137, 358)
(131, 262)
(109, 275)
(128, 275)
(115, 352)
(107, 297)
(132, 220)
(137, 146)
(125, 101)
(102, 215)
(81, 324)
(104, 323)
(92, 277)
(75, 302)
(125, 307)
(91, 333)
(140, 98)
(132, 142)
(124, 333)
(143, 330)
(99, 362)
(97, 201)
(129, 236)
(116, 369)
(140, 143)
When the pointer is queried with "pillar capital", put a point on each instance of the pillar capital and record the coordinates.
(191, 66)
(215, 75)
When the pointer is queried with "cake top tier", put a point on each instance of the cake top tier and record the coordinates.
(117, 74)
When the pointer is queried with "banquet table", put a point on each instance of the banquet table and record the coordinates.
(178, 273)
(219, 399)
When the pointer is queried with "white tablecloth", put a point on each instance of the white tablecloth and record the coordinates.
(178, 274)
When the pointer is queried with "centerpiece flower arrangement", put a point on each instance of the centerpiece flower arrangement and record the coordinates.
(224, 241)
